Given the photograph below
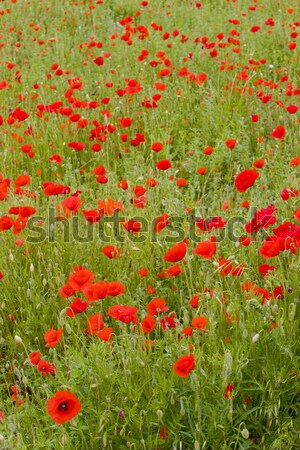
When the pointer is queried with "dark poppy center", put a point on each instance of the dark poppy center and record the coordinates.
(63, 406)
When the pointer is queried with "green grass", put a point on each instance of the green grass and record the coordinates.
(129, 391)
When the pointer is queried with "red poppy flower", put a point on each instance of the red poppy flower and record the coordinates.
(20, 224)
(22, 180)
(201, 170)
(270, 247)
(164, 433)
(102, 179)
(184, 365)
(111, 251)
(19, 114)
(56, 158)
(63, 406)
(55, 189)
(81, 279)
(19, 242)
(238, 270)
(151, 182)
(52, 337)
(157, 147)
(246, 179)
(71, 205)
(278, 133)
(259, 163)
(143, 272)
(97, 291)
(23, 211)
(257, 291)
(181, 182)
(295, 161)
(6, 223)
(123, 184)
(139, 191)
(150, 290)
(132, 226)
(229, 391)
(288, 192)
(164, 164)
(225, 267)
(208, 150)
(115, 288)
(262, 219)
(125, 121)
(160, 223)
(78, 146)
(230, 143)
(35, 358)
(206, 249)
(95, 323)
(109, 207)
(66, 291)
(105, 334)
(148, 324)
(173, 271)
(4, 189)
(215, 222)
(76, 307)
(292, 109)
(200, 323)
(265, 269)
(99, 61)
(278, 293)
(176, 253)
(139, 202)
(194, 302)
(297, 215)
(157, 306)
(188, 331)
(168, 322)
(15, 391)
(123, 313)
(45, 368)
(92, 215)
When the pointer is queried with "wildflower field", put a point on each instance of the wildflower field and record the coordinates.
(149, 225)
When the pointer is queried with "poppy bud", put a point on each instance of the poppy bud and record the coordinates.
(245, 433)
(18, 340)
(255, 338)
(159, 413)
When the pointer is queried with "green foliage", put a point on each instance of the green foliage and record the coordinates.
(131, 397)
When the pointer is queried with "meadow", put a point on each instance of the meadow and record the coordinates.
(149, 225)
